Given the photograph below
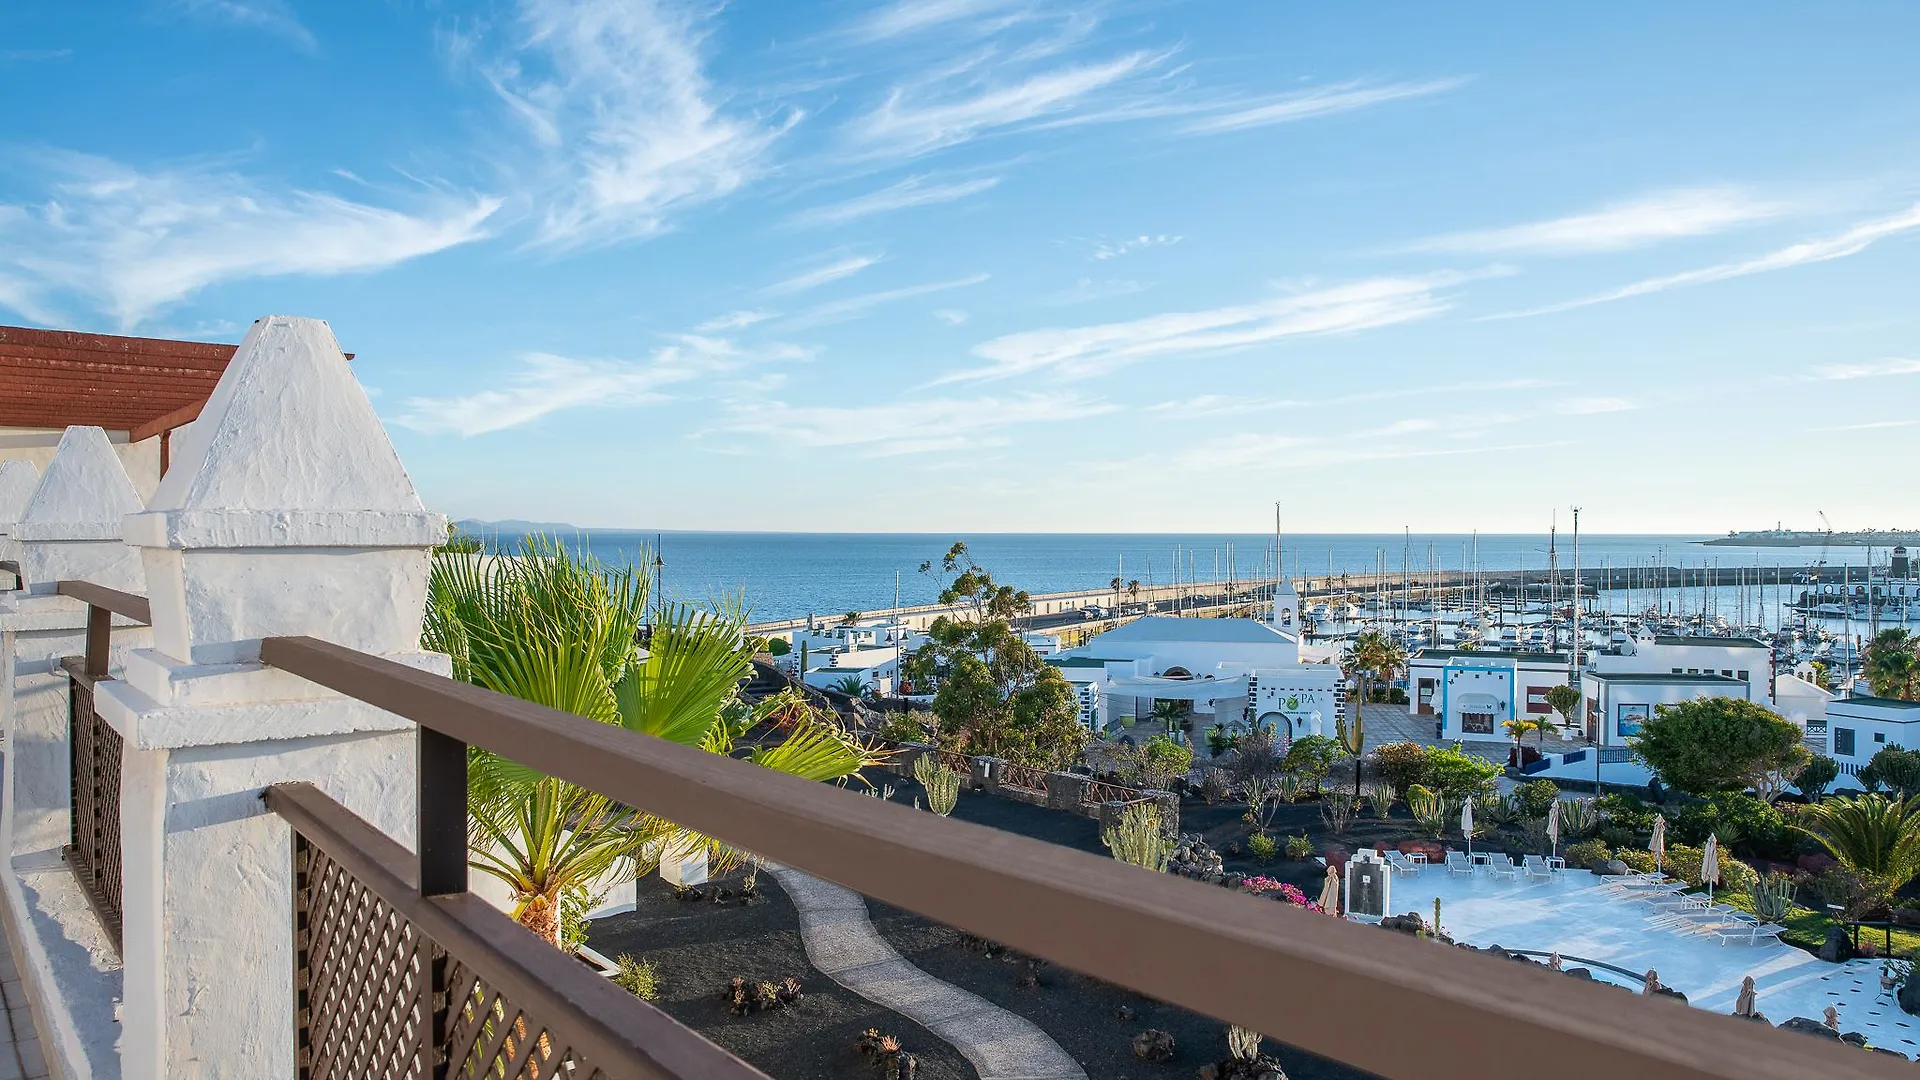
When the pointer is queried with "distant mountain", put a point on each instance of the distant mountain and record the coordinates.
(514, 525)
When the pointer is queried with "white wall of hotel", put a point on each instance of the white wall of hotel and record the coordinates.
(1232, 670)
(286, 511)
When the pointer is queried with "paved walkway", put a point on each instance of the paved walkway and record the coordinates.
(20, 1057)
(842, 942)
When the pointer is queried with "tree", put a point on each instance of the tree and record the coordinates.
(1814, 778)
(995, 695)
(1161, 761)
(1721, 744)
(561, 629)
(1456, 774)
(1875, 837)
(1373, 657)
(1895, 768)
(1892, 666)
(1311, 758)
(849, 685)
(1565, 700)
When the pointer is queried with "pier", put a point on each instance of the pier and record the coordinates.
(1054, 610)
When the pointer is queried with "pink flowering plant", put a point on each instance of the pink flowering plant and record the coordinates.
(1262, 885)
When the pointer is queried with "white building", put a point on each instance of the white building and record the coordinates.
(1472, 694)
(1235, 672)
(1858, 727)
(1617, 703)
(1746, 659)
(872, 653)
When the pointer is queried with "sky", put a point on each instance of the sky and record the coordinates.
(1010, 265)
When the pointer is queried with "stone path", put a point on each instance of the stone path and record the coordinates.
(842, 942)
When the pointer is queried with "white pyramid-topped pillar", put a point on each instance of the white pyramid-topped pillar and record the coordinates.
(67, 525)
(286, 512)
(17, 481)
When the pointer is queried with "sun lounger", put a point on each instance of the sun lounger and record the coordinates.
(1536, 868)
(1502, 866)
(1749, 930)
(1458, 863)
(1400, 864)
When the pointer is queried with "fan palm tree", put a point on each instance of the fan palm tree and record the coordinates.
(1373, 657)
(1875, 837)
(1892, 667)
(561, 630)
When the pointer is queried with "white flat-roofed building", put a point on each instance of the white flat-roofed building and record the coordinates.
(1746, 659)
(1235, 672)
(1471, 694)
(1617, 703)
(1859, 727)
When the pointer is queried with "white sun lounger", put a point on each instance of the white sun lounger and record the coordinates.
(1536, 868)
(1400, 864)
(1502, 866)
(1752, 933)
(1458, 863)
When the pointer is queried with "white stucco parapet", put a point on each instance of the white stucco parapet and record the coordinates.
(17, 481)
(164, 706)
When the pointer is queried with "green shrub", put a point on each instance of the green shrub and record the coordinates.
(779, 646)
(1536, 797)
(1627, 812)
(1402, 764)
(1683, 862)
(1587, 852)
(1299, 847)
(1456, 774)
(1261, 848)
(1747, 824)
(637, 977)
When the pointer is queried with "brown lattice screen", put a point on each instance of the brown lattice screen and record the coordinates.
(378, 1000)
(94, 848)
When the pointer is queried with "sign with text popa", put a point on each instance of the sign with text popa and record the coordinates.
(1369, 881)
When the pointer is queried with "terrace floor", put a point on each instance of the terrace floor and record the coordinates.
(1575, 915)
(20, 1057)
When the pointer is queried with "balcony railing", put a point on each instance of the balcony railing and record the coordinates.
(1381, 1002)
(96, 751)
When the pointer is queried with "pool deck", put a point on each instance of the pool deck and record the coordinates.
(1575, 915)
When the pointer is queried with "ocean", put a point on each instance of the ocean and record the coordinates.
(789, 575)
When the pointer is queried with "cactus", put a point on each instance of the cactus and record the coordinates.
(1243, 1044)
(1352, 733)
(1137, 839)
(942, 784)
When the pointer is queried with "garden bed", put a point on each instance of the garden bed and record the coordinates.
(698, 946)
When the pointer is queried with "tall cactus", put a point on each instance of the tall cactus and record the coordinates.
(942, 784)
(1137, 838)
(1353, 739)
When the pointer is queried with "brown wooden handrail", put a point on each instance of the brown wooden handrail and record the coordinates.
(1389, 1004)
(644, 1042)
(125, 604)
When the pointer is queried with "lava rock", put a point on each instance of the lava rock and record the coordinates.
(1810, 1027)
(1838, 948)
(1612, 868)
(1153, 1045)
(1909, 995)
(1410, 923)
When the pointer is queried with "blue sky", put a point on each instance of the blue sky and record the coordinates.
(1007, 265)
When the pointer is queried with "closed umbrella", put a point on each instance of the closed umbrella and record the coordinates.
(1744, 1005)
(1658, 845)
(1466, 824)
(1710, 864)
(1553, 828)
(1330, 893)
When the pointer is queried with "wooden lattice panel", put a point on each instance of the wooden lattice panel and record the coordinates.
(94, 850)
(360, 976)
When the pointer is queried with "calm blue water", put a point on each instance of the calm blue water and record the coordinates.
(786, 575)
